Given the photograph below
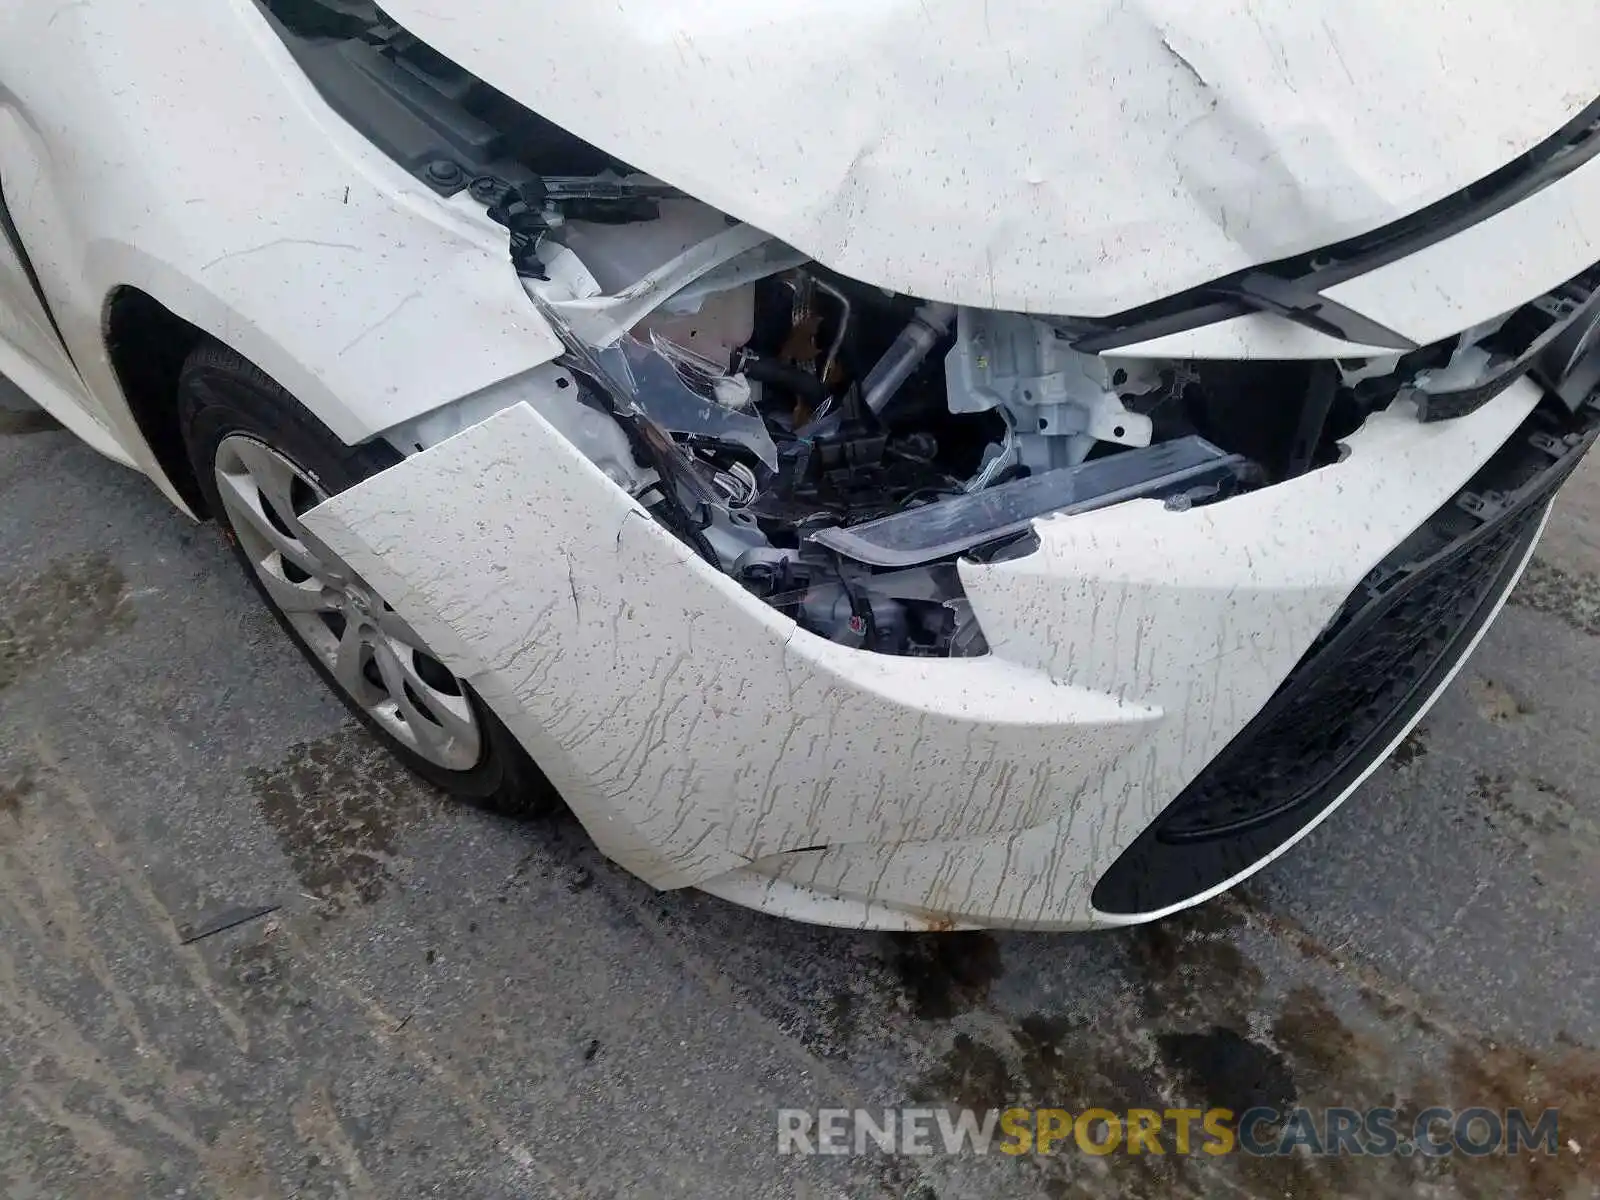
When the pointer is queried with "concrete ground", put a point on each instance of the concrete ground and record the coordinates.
(448, 1004)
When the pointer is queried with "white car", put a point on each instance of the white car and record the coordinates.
(892, 464)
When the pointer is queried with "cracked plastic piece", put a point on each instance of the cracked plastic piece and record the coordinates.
(718, 263)
(552, 393)
(1551, 335)
(952, 527)
(654, 383)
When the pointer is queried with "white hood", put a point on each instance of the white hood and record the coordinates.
(1064, 156)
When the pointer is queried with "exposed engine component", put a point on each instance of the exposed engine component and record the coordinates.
(905, 354)
(836, 448)
(1182, 472)
(1057, 401)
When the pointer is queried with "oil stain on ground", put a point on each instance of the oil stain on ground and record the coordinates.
(1200, 1027)
(15, 786)
(338, 806)
(944, 974)
(1223, 1068)
(22, 422)
(68, 606)
(1573, 598)
(1414, 746)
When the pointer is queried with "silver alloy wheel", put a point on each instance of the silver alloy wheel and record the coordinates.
(376, 657)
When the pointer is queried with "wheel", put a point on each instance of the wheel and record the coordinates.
(262, 461)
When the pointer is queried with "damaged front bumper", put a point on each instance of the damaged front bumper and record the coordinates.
(704, 739)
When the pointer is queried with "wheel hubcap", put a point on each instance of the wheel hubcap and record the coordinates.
(373, 654)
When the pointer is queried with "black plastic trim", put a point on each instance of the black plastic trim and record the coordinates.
(1182, 853)
(429, 114)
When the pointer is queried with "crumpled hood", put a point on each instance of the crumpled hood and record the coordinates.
(1063, 156)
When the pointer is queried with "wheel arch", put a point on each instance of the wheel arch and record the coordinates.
(147, 344)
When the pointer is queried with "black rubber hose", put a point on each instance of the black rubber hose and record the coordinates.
(785, 375)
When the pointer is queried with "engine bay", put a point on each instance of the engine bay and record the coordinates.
(833, 447)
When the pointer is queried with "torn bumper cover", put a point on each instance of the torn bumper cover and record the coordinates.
(705, 739)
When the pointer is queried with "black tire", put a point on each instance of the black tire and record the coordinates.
(220, 393)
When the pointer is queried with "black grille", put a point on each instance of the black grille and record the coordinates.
(1348, 689)
(1396, 638)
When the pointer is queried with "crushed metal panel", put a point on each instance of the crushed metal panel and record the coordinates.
(1039, 156)
(1487, 269)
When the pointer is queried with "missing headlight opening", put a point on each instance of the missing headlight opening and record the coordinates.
(835, 448)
